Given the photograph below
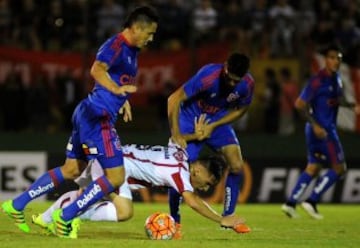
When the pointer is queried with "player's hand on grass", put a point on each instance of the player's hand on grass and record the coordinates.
(122, 90)
(231, 221)
(125, 110)
(236, 223)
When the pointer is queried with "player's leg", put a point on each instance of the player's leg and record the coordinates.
(103, 143)
(233, 157)
(44, 184)
(44, 220)
(119, 207)
(331, 153)
(224, 139)
(305, 178)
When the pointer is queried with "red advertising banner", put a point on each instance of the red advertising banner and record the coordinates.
(156, 68)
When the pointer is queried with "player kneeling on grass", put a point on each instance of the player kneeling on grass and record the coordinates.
(151, 166)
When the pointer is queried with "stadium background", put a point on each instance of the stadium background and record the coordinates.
(46, 49)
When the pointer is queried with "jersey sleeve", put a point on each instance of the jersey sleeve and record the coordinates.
(195, 84)
(246, 91)
(180, 181)
(109, 51)
(309, 89)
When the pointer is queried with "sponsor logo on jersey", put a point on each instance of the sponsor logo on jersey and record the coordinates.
(89, 196)
(127, 79)
(36, 192)
(179, 156)
(232, 97)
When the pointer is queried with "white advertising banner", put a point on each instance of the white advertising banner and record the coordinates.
(18, 170)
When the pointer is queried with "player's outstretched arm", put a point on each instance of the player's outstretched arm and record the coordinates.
(200, 206)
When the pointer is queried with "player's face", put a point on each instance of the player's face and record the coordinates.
(200, 178)
(144, 33)
(333, 60)
(230, 78)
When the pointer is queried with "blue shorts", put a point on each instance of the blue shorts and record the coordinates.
(221, 136)
(327, 151)
(94, 136)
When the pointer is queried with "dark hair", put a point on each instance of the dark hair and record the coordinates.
(238, 64)
(145, 14)
(215, 165)
(331, 47)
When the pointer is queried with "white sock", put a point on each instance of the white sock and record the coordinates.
(101, 211)
(62, 202)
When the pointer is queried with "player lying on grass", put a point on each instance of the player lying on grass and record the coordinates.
(151, 166)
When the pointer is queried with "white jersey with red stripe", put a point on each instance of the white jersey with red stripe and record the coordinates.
(147, 165)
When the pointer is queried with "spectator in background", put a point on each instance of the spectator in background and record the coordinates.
(26, 24)
(76, 29)
(68, 89)
(289, 93)
(175, 23)
(257, 26)
(231, 24)
(282, 17)
(205, 21)
(38, 104)
(109, 19)
(12, 99)
(271, 101)
(160, 101)
(5, 22)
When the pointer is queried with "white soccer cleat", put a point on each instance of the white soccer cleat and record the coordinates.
(311, 210)
(290, 211)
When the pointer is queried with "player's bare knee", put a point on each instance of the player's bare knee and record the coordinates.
(124, 216)
(115, 181)
(70, 170)
(236, 168)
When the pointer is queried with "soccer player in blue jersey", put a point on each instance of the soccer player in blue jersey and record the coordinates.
(94, 135)
(223, 92)
(318, 102)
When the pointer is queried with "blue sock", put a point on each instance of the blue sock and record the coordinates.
(232, 189)
(323, 184)
(93, 193)
(300, 187)
(174, 203)
(44, 184)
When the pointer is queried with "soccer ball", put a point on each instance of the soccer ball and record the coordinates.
(160, 226)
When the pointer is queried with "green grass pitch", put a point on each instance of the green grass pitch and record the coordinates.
(270, 228)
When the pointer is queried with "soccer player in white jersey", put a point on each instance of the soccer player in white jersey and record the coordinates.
(151, 166)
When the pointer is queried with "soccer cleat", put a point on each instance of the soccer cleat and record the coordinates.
(311, 210)
(75, 227)
(178, 233)
(62, 228)
(17, 216)
(290, 211)
(242, 228)
(47, 227)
